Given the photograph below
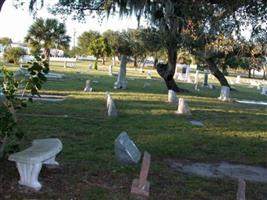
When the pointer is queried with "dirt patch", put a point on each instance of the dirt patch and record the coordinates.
(70, 180)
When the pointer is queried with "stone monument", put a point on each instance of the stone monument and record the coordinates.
(183, 108)
(126, 152)
(206, 77)
(172, 98)
(88, 86)
(225, 94)
(112, 111)
(121, 80)
(110, 67)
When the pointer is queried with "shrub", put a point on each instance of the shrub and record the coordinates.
(13, 54)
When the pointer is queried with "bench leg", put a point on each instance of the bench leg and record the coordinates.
(29, 175)
(51, 161)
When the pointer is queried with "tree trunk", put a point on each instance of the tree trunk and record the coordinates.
(163, 71)
(249, 72)
(135, 61)
(95, 64)
(155, 62)
(103, 60)
(1, 3)
(216, 72)
(166, 71)
(47, 54)
(114, 61)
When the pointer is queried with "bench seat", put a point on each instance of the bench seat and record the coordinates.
(29, 162)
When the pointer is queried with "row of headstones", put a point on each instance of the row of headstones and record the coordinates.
(126, 152)
(183, 107)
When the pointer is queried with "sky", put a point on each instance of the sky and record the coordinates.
(14, 23)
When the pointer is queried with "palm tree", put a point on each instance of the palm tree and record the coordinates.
(47, 34)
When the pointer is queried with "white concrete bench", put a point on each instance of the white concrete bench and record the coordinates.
(29, 162)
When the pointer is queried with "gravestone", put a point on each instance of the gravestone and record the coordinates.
(187, 74)
(238, 78)
(65, 64)
(126, 152)
(146, 85)
(109, 98)
(2, 96)
(112, 111)
(196, 123)
(121, 80)
(90, 66)
(196, 87)
(141, 186)
(206, 77)
(225, 94)
(264, 91)
(88, 86)
(172, 98)
(183, 108)
(149, 75)
(22, 71)
(196, 77)
(241, 190)
(110, 67)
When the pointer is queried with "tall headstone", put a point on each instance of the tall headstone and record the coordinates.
(225, 94)
(187, 74)
(183, 108)
(172, 98)
(126, 152)
(88, 86)
(264, 90)
(196, 77)
(206, 77)
(121, 80)
(110, 67)
(141, 186)
(90, 66)
(241, 190)
(112, 111)
(237, 80)
(109, 98)
(65, 64)
(149, 75)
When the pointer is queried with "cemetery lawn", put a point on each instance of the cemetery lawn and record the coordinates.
(232, 132)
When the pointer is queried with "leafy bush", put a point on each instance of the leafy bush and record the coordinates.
(13, 54)
(10, 136)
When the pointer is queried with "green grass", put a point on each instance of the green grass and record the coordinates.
(232, 132)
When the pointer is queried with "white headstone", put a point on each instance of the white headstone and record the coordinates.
(109, 98)
(183, 107)
(172, 98)
(264, 90)
(121, 80)
(196, 87)
(112, 111)
(149, 75)
(88, 86)
(90, 66)
(225, 94)
(237, 80)
(187, 74)
(146, 85)
(196, 77)
(110, 70)
(126, 152)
